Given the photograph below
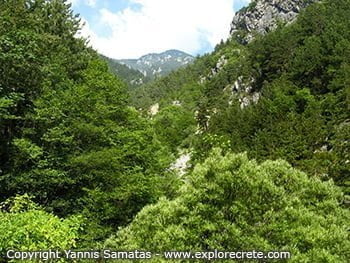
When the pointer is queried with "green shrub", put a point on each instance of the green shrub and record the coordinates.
(24, 226)
(230, 203)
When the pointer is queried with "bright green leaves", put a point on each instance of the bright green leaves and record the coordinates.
(230, 203)
(8, 103)
(33, 58)
(24, 226)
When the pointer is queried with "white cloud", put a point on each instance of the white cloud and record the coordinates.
(160, 25)
(91, 3)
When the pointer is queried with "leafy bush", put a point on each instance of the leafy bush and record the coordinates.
(25, 226)
(230, 203)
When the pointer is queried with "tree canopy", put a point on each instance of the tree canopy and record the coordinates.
(83, 165)
(230, 203)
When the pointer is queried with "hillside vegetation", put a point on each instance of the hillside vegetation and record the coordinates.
(285, 95)
(267, 124)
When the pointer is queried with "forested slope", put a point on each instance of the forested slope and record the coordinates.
(68, 138)
(283, 95)
(300, 75)
(131, 76)
(83, 165)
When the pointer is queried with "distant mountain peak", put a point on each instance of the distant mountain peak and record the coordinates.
(159, 64)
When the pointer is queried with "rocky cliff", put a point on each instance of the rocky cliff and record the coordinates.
(262, 16)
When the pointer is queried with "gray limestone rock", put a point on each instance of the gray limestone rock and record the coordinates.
(262, 16)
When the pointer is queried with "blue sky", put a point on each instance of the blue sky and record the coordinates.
(132, 28)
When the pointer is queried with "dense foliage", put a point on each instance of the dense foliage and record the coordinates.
(25, 226)
(232, 204)
(284, 95)
(174, 126)
(68, 137)
(91, 158)
(301, 73)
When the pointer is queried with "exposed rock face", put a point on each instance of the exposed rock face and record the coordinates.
(154, 109)
(243, 90)
(177, 103)
(262, 16)
(214, 71)
(182, 163)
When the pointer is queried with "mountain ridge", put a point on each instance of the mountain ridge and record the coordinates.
(155, 65)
